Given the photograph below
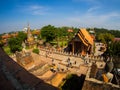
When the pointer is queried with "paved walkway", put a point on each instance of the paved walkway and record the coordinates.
(61, 61)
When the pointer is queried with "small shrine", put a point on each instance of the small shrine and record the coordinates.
(30, 42)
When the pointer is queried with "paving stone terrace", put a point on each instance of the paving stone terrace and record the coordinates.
(53, 66)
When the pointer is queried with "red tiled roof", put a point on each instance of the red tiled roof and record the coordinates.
(116, 39)
(6, 36)
(70, 30)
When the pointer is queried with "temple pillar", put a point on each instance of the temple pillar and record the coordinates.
(73, 46)
(82, 51)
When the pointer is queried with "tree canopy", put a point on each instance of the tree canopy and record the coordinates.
(22, 36)
(113, 50)
(105, 37)
(15, 44)
(116, 33)
(48, 32)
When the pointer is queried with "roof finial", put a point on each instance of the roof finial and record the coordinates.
(28, 24)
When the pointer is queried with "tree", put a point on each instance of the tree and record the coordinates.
(48, 32)
(1, 43)
(113, 50)
(15, 44)
(63, 32)
(105, 37)
(0, 37)
(22, 36)
(116, 33)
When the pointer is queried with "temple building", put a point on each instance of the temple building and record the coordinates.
(92, 33)
(82, 43)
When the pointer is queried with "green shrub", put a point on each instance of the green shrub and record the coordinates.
(7, 50)
(36, 51)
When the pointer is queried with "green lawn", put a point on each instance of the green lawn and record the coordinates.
(61, 43)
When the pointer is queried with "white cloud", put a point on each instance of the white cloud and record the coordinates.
(93, 9)
(34, 9)
(107, 20)
(39, 12)
(89, 19)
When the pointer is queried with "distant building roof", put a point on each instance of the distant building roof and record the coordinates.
(116, 39)
(5, 36)
(92, 32)
(37, 32)
(70, 30)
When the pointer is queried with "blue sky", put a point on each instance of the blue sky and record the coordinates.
(15, 14)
